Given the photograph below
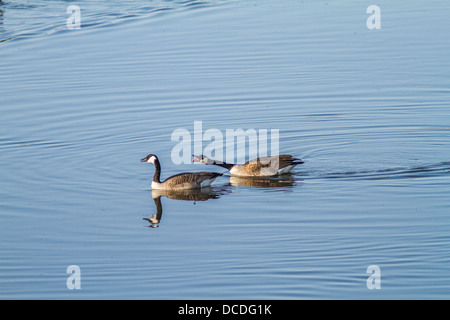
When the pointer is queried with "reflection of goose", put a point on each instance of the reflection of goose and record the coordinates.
(260, 167)
(154, 219)
(188, 195)
(286, 181)
(189, 180)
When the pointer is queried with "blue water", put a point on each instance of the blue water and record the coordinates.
(367, 110)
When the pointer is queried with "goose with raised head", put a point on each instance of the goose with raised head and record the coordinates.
(259, 167)
(181, 181)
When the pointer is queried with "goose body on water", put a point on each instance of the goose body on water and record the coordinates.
(181, 181)
(260, 167)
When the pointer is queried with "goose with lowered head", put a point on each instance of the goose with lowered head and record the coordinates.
(181, 181)
(259, 167)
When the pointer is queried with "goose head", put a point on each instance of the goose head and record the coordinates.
(202, 159)
(151, 158)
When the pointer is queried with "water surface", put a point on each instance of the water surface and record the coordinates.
(367, 110)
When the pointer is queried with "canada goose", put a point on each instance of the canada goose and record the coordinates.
(188, 180)
(260, 167)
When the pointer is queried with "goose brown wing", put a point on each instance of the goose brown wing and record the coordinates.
(283, 161)
(191, 177)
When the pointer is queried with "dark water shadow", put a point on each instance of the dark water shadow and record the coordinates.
(424, 171)
(48, 18)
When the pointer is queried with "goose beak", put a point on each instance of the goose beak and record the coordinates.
(143, 160)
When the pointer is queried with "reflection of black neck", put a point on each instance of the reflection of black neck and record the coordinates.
(158, 208)
(157, 174)
(227, 166)
(155, 219)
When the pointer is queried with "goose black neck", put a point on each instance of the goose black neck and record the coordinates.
(227, 166)
(157, 174)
